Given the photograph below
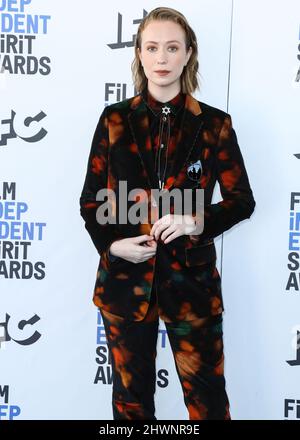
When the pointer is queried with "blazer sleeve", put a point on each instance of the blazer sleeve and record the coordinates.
(102, 235)
(238, 202)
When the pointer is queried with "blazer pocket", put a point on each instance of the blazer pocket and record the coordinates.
(201, 254)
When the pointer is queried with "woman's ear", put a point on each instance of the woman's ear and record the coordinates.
(189, 53)
(139, 54)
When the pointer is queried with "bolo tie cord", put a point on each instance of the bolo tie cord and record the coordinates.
(164, 122)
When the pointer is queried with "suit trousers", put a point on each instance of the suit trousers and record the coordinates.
(197, 347)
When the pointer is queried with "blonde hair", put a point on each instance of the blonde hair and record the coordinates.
(189, 80)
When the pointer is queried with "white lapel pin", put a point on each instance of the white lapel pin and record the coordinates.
(194, 170)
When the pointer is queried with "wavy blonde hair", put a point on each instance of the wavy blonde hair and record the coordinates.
(189, 80)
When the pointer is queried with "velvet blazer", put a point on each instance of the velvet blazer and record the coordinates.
(188, 282)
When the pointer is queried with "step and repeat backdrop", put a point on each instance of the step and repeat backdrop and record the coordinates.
(60, 64)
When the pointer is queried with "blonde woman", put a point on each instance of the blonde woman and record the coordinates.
(163, 138)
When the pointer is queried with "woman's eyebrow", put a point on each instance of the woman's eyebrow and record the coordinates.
(156, 42)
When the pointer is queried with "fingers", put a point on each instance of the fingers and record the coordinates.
(145, 248)
(166, 228)
(161, 224)
(174, 224)
(142, 238)
(167, 232)
(159, 230)
(171, 237)
(151, 243)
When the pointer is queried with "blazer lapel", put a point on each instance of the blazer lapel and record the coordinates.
(191, 124)
(139, 125)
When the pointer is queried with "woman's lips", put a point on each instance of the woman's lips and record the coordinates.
(162, 72)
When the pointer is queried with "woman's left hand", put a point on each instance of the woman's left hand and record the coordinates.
(171, 226)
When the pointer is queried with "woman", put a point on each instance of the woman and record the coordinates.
(163, 138)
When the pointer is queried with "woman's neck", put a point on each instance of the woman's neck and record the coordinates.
(163, 94)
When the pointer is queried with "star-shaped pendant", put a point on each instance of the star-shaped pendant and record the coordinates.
(166, 110)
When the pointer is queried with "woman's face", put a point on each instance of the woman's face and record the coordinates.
(163, 49)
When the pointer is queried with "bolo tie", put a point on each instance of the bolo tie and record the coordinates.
(163, 145)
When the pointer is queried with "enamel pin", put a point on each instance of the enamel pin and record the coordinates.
(194, 170)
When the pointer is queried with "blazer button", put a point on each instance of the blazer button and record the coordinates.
(154, 204)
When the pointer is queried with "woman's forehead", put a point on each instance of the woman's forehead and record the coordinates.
(163, 31)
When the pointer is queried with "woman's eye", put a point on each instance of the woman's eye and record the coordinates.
(173, 48)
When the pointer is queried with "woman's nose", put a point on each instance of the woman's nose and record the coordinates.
(162, 57)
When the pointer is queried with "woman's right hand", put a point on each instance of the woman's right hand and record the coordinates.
(134, 249)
